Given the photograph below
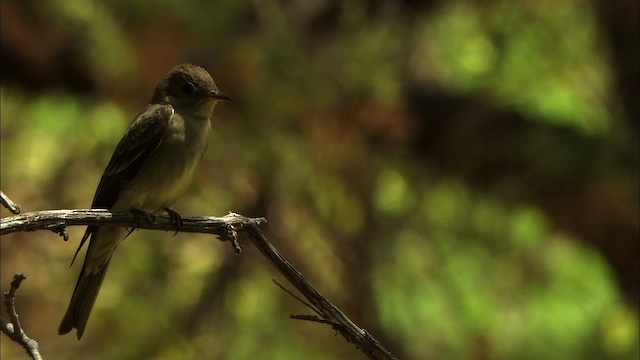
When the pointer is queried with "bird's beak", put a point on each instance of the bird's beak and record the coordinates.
(218, 95)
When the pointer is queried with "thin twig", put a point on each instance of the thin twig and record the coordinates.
(6, 202)
(299, 299)
(13, 329)
(317, 319)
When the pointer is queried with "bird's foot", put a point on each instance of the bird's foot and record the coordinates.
(147, 215)
(138, 214)
(175, 218)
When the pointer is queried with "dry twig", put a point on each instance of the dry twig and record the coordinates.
(13, 329)
(6, 202)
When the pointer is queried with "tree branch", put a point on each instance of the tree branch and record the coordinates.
(227, 227)
(13, 329)
(58, 220)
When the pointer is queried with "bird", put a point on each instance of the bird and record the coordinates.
(150, 168)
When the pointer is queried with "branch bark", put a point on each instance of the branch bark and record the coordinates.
(227, 227)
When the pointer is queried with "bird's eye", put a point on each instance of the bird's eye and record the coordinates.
(188, 88)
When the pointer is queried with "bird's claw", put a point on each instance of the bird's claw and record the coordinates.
(138, 214)
(175, 218)
(147, 215)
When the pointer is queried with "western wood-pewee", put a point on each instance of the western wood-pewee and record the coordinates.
(150, 168)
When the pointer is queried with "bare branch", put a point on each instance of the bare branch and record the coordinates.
(13, 329)
(227, 227)
(57, 220)
(6, 202)
(330, 313)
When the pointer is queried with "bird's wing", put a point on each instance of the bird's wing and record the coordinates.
(138, 143)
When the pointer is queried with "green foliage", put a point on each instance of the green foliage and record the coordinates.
(473, 271)
(541, 58)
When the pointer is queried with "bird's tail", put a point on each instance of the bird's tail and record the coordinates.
(85, 294)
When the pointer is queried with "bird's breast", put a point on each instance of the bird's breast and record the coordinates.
(169, 170)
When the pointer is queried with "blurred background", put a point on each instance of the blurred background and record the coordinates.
(459, 177)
